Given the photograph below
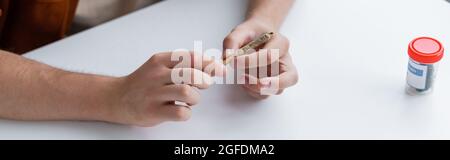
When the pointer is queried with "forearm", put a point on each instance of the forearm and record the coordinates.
(271, 12)
(33, 91)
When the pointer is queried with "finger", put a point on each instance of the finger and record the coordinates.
(280, 43)
(256, 95)
(162, 58)
(193, 77)
(180, 93)
(188, 59)
(271, 52)
(282, 81)
(172, 59)
(251, 89)
(255, 85)
(254, 90)
(157, 75)
(285, 77)
(210, 67)
(236, 39)
(289, 76)
(251, 83)
(173, 112)
(280, 92)
(273, 85)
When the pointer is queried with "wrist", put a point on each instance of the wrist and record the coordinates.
(264, 23)
(110, 107)
(100, 100)
(78, 96)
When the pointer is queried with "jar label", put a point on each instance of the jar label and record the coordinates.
(417, 75)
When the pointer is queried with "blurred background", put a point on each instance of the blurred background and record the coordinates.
(94, 12)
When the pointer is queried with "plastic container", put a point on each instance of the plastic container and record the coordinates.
(425, 54)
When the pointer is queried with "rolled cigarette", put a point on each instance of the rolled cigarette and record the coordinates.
(253, 45)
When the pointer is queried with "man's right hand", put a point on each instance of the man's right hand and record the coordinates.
(147, 97)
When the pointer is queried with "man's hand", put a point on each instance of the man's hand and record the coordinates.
(30, 90)
(147, 96)
(287, 75)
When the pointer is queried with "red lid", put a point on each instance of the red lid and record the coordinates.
(426, 50)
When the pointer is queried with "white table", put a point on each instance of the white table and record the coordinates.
(351, 55)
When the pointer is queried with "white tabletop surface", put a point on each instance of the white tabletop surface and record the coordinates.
(351, 56)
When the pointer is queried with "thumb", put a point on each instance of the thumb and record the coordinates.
(236, 39)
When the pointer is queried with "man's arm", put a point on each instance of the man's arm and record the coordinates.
(34, 91)
(271, 12)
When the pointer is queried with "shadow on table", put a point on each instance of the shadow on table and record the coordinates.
(236, 98)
